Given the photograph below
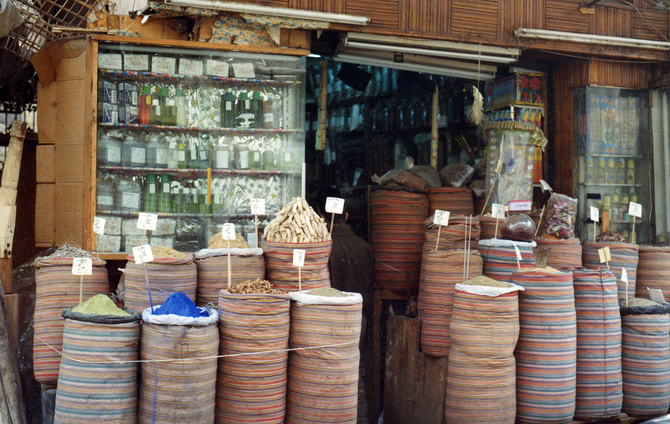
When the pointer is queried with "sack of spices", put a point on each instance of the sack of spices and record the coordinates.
(561, 215)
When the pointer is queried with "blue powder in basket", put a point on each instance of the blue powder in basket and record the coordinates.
(179, 304)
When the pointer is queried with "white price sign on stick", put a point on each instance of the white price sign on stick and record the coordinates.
(604, 254)
(518, 253)
(257, 206)
(519, 205)
(635, 209)
(99, 225)
(595, 214)
(334, 205)
(147, 221)
(624, 275)
(228, 231)
(143, 254)
(545, 186)
(299, 257)
(441, 217)
(82, 266)
(498, 211)
(656, 295)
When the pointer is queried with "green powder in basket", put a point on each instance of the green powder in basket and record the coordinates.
(100, 304)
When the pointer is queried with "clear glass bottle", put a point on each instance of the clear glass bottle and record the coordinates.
(221, 155)
(242, 159)
(133, 154)
(204, 149)
(164, 196)
(104, 191)
(169, 108)
(172, 155)
(109, 150)
(192, 155)
(244, 117)
(128, 194)
(257, 109)
(218, 206)
(182, 163)
(177, 198)
(203, 206)
(151, 194)
(157, 152)
(228, 110)
(187, 200)
(255, 161)
(269, 160)
(181, 108)
(156, 112)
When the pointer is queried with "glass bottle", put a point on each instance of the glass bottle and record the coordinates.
(269, 160)
(217, 200)
(164, 201)
(255, 161)
(203, 206)
(177, 198)
(133, 154)
(172, 155)
(269, 119)
(257, 109)
(195, 199)
(630, 171)
(187, 200)
(181, 108)
(621, 171)
(144, 108)
(242, 159)
(169, 108)
(156, 152)
(192, 155)
(204, 149)
(221, 155)
(624, 207)
(182, 163)
(228, 110)
(151, 194)
(109, 150)
(244, 117)
(104, 191)
(128, 195)
(156, 112)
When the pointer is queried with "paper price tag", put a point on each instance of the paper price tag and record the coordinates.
(143, 254)
(498, 211)
(518, 253)
(228, 231)
(499, 165)
(545, 186)
(298, 257)
(334, 205)
(656, 295)
(257, 206)
(519, 205)
(604, 254)
(441, 217)
(99, 225)
(624, 275)
(595, 214)
(635, 209)
(82, 266)
(147, 221)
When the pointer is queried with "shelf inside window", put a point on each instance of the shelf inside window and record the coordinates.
(186, 79)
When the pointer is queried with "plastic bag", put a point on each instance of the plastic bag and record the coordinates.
(428, 173)
(519, 227)
(403, 178)
(456, 174)
(561, 215)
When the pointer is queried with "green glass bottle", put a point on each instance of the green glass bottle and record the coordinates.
(228, 110)
(150, 194)
(164, 201)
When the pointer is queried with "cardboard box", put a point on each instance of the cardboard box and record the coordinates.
(45, 166)
(110, 61)
(109, 243)
(46, 117)
(68, 213)
(191, 66)
(44, 214)
(68, 167)
(164, 65)
(71, 113)
(136, 62)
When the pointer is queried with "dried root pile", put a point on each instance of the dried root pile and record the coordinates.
(254, 287)
(297, 223)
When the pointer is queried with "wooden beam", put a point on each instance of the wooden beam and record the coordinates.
(11, 403)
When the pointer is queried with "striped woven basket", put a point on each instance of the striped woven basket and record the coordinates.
(213, 274)
(599, 390)
(624, 255)
(457, 200)
(440, 272)
(397, 234)
(500, 261)
(183, 388)
(56, 289)
(252, 388)
(453, 235)
(488, 227)
(564, 253)
(546, 354)
(323, 383)
(279, 269)
(645, 363)
(95, 384)
(482, 367)
(653, 270)
(166, 276)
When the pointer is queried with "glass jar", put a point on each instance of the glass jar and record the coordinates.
(204, 149)
(109, 150)
(134, 152)
(621, 171)
(177, 198)
(128, 194)
(151, 194)
(203, 206)
(221, 155)
(104, 194)
(157, 152)
(269, 160)
(630, 171)
(242, 159)
(255, 161)
(218, 206)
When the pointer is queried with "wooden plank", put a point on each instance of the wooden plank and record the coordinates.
(416, 384)
(11, 403)
(6, 275)
(484, 23)
(90, 148)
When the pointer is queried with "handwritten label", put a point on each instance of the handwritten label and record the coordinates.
(498, 211)
(228, 231)
(298, 257)
(519, 205)
(334, 205)
(624, 275)
(99, 225)
(143, 254)
(257, 206)
(635, 209)
(604, 254)
(82, 266)
(545, 186)
(518, 253)
(595, 214)
(441, 217)
(147, 221)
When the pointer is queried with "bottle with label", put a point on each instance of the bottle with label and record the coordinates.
(192, 154)
(600, 176)
(269, 116)
(144, 108)
(164, 196)
(172, 155)
(590, 170)
(177, 197)
(221, 155)
(151, 194)
(169, 108)
(181, 108)
(611, 172)
(182, 163)
(128, 194)
(621, 171)
(269, 160)
(204, 150)
(255, 161)
(109, 150)
(228, 110)
(630, 171)
(104, 191)
(195, 199)
(203, 206)
(244, 116)
(217, 200)
(133, 154)
(156, 112)
(157, 152)
(257, 109)
(615, 210)
(242, 159)
(625, 200)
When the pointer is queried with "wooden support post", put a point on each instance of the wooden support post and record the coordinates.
(323, 103)
(11, 401)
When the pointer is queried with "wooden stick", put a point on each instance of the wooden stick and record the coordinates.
(495, 234)
(146, 278)
(81, 289)
(632, 235)
(486, 202)
(437, 242)
(11, 403)
(467, 269)
(540, 221)
(433, 127)
(332, 221)
(256, 229)
(230, 278)
(299, 278)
